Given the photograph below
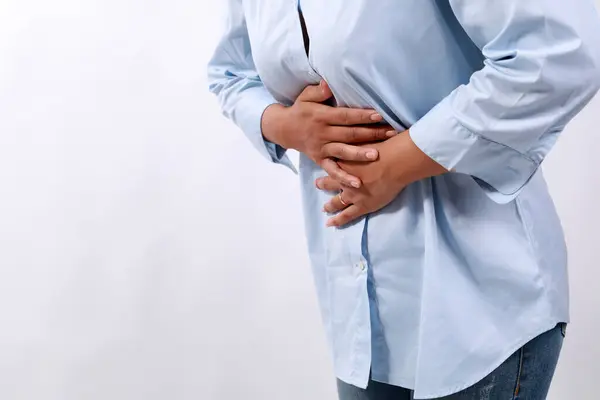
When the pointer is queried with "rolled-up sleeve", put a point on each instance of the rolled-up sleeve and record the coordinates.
(542, 66)
(234, 80)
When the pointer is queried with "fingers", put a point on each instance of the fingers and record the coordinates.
(335, 172)
(351, 116)
(361, 134)
(339, 116)
(347, 152)
(341, 203)
(345, 217)
(328, 184)
(316, 93)
(336, 204)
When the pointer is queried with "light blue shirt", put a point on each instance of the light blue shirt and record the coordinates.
(437, 289)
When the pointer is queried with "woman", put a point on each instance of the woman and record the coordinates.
(438, 256)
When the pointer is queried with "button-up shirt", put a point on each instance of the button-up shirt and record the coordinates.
(438, 288)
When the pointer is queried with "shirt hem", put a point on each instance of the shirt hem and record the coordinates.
(447, 391)
(402, 382)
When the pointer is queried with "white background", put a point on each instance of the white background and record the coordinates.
(148, 253)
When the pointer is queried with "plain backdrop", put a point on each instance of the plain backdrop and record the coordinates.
(147, 252)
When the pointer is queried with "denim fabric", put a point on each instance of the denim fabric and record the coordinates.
(525, 375)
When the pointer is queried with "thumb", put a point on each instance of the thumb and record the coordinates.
(316, 93)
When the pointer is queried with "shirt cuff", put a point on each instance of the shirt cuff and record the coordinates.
(253, 104)
(501, 171)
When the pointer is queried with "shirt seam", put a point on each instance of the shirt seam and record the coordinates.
(481, 136)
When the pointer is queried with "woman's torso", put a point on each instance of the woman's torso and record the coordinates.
(443, 283)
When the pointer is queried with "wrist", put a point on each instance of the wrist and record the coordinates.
(273, 125)
(410, 163)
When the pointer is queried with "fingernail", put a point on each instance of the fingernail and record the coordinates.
(355, 184)
(371, 155)
(376, 117)
(318, 184)
(329, 224)
(391, 133)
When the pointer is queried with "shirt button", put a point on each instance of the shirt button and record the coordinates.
(361, 265)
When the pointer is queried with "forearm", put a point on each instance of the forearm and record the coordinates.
(409, 163)
(273, 126)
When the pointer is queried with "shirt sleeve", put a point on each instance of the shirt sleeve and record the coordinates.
(233, 78)
(541, 68)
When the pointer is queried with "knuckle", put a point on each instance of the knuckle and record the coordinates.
(332, 151)
(305, 115)
(334, 136)
(325, 165)
(360, 154)
(361, 209)
(335, 173)
(325, 132)
(305, 110)
(319, 116)
(348, 197)
(346, 116)
(363, 117)
(342, 152)
(354, 133)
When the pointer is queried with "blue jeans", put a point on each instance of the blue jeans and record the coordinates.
(526, 375)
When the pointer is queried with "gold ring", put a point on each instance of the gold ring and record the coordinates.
(342, 200)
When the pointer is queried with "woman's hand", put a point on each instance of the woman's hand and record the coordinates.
(400, 163)
(326, 133)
